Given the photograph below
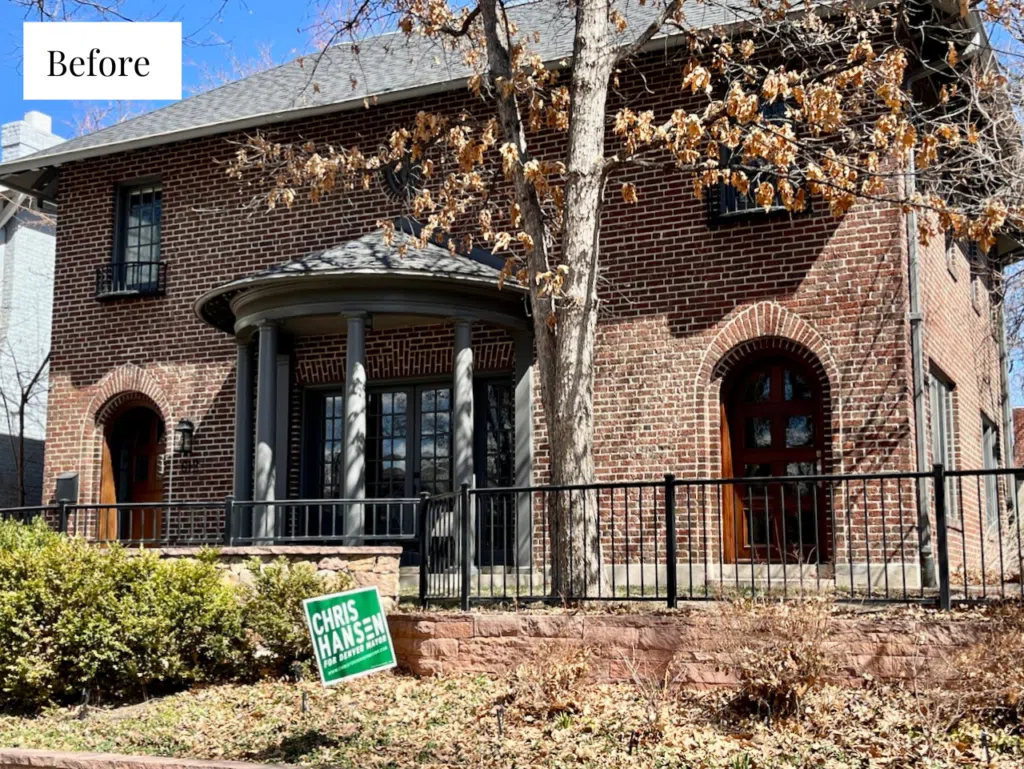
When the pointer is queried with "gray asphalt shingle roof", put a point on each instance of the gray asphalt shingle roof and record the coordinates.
(369, 255)
(387, 67)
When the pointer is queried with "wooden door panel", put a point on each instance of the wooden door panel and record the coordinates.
(772, 428)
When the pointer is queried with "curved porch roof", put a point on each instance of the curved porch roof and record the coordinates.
(403, 279)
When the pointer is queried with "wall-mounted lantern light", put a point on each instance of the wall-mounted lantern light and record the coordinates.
(185, 432)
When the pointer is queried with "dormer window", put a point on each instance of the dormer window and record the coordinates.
(136, 268)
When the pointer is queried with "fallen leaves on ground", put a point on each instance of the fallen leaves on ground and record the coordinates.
(394, 720)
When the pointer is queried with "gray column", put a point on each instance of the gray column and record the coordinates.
(355, 426)
(266, 433)
(462, 400)
(243, 423)
(462, 427)
(524, 442)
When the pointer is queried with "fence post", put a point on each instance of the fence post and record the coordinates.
(466, 555)
(62, 513)
(670, 541)
(229, 519)
(941, 540)
(424, 547)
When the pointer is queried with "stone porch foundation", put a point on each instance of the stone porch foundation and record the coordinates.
(367, 565)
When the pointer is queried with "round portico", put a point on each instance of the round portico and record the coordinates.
(367, 283)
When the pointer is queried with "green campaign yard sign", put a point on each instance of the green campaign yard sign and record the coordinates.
(350, 634)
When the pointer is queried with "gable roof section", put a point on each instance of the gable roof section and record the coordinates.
(389, 67)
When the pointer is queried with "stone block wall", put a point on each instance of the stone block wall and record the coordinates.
(366, 565)
(883, 647)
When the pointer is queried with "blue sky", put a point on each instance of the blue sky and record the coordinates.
(240, 33)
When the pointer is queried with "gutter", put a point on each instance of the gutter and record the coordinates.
(1004, 402)
(924, 528)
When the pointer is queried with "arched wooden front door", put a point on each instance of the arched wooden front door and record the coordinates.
(132, 447)
(772, 427)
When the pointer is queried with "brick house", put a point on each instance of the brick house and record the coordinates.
(303, 359)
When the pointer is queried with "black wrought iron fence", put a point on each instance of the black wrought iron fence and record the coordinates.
(983, 533)
(940, 537)
(859, 538)
(26, 514)
(164, 524)
(354, 521)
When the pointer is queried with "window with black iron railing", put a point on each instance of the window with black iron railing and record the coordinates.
(131, 278)
(726, 202)
(136, 267)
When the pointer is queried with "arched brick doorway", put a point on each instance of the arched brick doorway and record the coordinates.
(774, 425)
(133, 444)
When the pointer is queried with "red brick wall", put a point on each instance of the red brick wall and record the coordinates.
(679, 298)
(960, 342)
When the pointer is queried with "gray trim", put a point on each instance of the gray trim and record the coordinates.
(266, 429)
(243, 462)
(524, 442)
(444, 304)
(369, 275)
(355, 425)
(462, 416)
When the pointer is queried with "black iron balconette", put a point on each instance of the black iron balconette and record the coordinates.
(131, 279)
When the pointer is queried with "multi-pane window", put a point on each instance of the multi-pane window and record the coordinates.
(435, 440)
(388, 445)
(726, 201)
(990, 460)
(943, 430)
(495, 462)
(136, 264)
(331, 447)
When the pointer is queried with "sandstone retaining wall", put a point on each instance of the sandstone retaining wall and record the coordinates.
(367, 566)
(883, 647)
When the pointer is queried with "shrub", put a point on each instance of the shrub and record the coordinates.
(75, 618)
(988, 678)
(779, 652)
(550, 684)
(272, 607)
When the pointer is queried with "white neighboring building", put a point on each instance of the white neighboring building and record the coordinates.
(26, 306)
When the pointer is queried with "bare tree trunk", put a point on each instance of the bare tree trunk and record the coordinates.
(575, 529)
(565, 353)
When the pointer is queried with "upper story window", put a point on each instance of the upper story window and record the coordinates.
(725, 202)
(953, 251)
(136, 267)
(943, 430)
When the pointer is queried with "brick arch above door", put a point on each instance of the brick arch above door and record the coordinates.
(124, 386)
(764, 326)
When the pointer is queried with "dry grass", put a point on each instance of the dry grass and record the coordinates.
(546, 713)
(778, 652)
(550, 684)
(989, 676)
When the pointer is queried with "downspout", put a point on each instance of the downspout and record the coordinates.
(924, 529)
(1004, 402)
